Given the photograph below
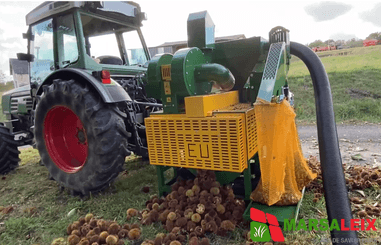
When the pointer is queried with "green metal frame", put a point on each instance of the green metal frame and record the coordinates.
(280, 212)
(222, 177)
(163, 185)
(275, 72)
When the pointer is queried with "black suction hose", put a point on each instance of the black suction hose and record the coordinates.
(336, 196)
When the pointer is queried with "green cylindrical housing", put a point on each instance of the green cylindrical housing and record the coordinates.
(215, 73)
(154, 86)
(184, 63)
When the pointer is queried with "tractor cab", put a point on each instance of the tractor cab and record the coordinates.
(87, 35)
(98, 44)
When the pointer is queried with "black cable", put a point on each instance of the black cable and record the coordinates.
(336, 195)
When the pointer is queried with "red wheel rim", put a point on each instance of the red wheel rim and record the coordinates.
(65, 139)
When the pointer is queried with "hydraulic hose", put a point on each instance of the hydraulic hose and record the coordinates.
(336, 195)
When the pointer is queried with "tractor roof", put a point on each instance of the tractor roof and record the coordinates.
(47, 9)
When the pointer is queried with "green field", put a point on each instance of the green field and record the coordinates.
(355, 81)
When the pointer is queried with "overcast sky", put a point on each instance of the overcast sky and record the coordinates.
(306, 20)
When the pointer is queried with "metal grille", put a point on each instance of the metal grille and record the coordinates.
(251, 129)
(279, 34)
(272, 61)
(15, 101)
(214, 143)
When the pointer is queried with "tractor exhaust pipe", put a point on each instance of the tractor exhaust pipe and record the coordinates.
(336, 195)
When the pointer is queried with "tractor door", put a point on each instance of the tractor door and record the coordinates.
(41, 46)
(67, 45)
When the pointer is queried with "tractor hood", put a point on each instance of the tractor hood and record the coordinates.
(90, 65)
(24, 90)
(6, 99)
(123, 70)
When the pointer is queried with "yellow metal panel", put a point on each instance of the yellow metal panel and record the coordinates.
(251, 137)
(167, 88)
(250, 122)
(199, 106)
(214, 143)
(166, 72)
(169, 116)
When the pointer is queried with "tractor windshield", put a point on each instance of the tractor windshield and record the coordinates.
(107, 46)
(134, 48)
(104, 45)
(41, 46)
(112, 43)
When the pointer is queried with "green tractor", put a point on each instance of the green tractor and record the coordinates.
(86, 103)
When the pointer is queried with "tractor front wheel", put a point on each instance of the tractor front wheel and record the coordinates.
(81, 140)
(9, 155)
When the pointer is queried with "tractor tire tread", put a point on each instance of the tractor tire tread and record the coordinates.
(13, 150)
(9, 154)
(11, 141)
(104, 128)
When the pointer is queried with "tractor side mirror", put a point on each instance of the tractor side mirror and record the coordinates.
(27, 57)
(28, 35)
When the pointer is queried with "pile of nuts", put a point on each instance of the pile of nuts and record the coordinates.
(91, 231)
(175, 238)
(199, 206)
(362, 177)
(316, 186)
(357, 177)
(194, 208)
(365, 211)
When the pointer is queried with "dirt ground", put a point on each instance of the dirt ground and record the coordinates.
(364, 139)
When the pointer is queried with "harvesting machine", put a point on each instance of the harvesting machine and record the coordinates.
(224, 107)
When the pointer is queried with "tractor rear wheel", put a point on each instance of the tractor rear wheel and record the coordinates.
(9, 155)
(81, 140)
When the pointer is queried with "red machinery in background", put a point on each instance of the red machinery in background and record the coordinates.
(372, 42)
(327, 48)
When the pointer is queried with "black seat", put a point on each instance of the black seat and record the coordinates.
(111, 60)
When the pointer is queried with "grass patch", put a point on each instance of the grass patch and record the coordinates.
(29, 187)
(29, 155)
(354, 81)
